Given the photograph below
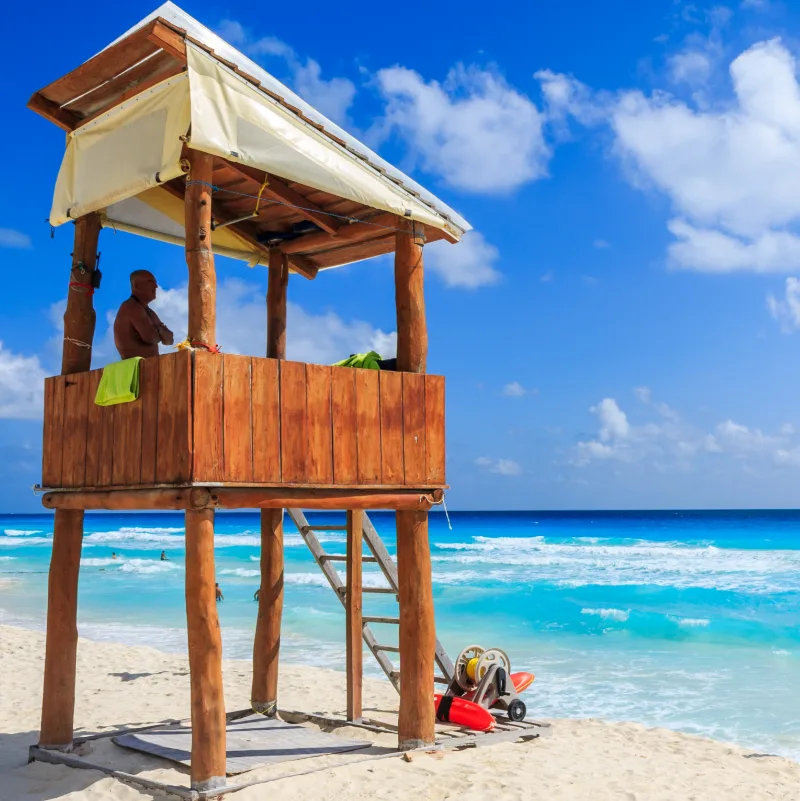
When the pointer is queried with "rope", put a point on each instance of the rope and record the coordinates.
(89, 287)
(186, 344)
(258, 198)
(78, 342)
(444, 506)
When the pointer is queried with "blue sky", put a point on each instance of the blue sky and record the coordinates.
(621, 329)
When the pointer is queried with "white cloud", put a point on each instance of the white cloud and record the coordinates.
(787, 310)
(468, 264)
(21, 386)
(731, 170)
(690, 66)
(242, 321)
(613, 421)
(758, 5)
(736, 438)
(332, 97)
(515, 390)
(474, 130)
(10, 238)
(644, 394)
(503, 467)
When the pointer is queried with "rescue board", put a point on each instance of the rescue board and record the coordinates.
(460, 712)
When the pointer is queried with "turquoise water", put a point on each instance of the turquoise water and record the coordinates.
(683, 619)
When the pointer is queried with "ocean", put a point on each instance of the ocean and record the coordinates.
(689, 620)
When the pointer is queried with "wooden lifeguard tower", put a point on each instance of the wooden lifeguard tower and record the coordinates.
(175, 135)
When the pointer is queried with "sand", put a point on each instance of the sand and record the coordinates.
(580, 759)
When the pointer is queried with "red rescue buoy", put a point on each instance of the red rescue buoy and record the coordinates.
(460, 712)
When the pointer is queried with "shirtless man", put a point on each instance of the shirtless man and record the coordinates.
(137, 329)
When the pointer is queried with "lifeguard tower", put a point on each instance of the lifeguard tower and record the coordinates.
(175, 135)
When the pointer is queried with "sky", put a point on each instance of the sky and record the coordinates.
(621, 329)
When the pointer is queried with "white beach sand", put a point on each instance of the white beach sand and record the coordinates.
(580, 759)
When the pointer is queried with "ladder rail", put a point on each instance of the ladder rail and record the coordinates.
(338, 586)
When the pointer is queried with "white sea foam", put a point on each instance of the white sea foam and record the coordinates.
(7, 558)
(692, 622)
(148, 566)
(318, 580)
(241, 572)
(11, 542)
(22, 532)
(609, 614)
(636, 562)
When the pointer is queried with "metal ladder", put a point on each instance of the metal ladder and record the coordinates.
(380, 556)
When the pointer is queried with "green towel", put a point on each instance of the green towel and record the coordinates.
(119, 383)
(368, 361)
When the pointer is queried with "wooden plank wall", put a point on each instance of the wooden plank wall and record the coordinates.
(295, 423)
(245, 420)
(133, 444)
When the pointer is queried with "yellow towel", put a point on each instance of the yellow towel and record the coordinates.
(119, 383)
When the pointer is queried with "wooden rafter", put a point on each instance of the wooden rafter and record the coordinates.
(301, 265)
(52, 111)
(372, 228)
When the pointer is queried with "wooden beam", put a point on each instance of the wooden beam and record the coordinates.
(279, 190)
(380, 225)
(267, 643)
(58, 695)
(129, 499)
(79, 316)
(199, 255)
(358, 251)
(199, 498)
(354, 625)
(417, 631)
(412, 331)
(167, 38)
(52, 111)
(276, 305)
(205, 655)
(301, 266)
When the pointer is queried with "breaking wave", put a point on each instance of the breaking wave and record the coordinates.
(609, 614)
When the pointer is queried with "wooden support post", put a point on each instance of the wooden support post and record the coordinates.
(205, 654)
(58, 697)
(79, 317)
(266, 648)
(276, 304)
(412, 331)
(199, 255)
(353, 611)
(58, 694)
(417, 627)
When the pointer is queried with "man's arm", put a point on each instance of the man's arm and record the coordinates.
(143, 325)
(167, 337)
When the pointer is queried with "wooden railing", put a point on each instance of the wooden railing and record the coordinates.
(220, 419)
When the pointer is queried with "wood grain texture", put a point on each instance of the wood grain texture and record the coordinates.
(207, 420)
(148, 393)
(94, 432)
(127, 458)
(267, 643)
(343, 414)
(53, 435)
(294, 423)
(278, 282)
(368, 426)
(174, 447)
(237, 421)
(354, 648)
(417, 631)
(392, 461)
(58, 696)
(412, 331)
(76, 412)
(320, 434)
(266, 414)
(434, 430)
(414, 428)
(205, 651)
(107, 418)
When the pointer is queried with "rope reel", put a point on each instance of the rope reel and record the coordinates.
(474, 662)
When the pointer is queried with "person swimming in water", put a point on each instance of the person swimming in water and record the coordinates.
(113, 554)
(256, 594)
(163, 556)
(220, 596)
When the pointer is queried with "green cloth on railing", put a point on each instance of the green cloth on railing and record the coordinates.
(368, 361)
(119, 383)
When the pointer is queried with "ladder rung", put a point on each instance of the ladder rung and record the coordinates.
(395, 674)
(324, 528)
(390, 649)
(385, 590)
(340, 557)
(395, 620)
(440, 680)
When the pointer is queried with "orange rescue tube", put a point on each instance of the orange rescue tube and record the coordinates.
(521, 681)
(460, 712)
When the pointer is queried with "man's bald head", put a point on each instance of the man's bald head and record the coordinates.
(143, 285)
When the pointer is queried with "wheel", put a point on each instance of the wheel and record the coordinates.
(517, 710)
